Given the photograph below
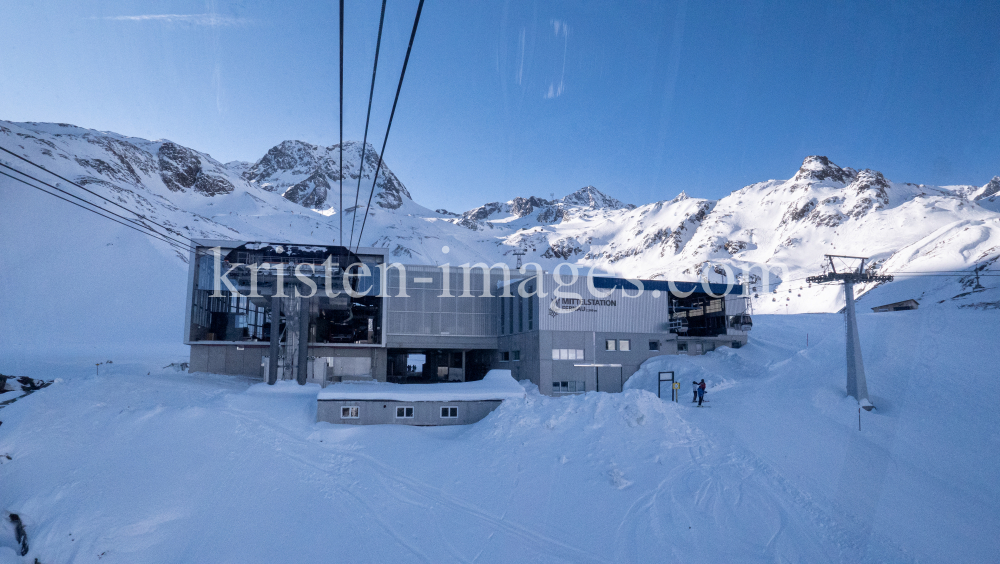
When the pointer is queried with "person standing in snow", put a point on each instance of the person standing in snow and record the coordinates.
(694, 398)
(701, 392)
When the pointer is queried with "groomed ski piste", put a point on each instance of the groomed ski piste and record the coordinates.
(176, 467)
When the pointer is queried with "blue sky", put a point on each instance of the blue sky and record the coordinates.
(641, 99)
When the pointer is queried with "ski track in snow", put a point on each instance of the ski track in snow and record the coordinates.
(173, 467)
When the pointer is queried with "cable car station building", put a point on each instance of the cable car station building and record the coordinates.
(326, 314)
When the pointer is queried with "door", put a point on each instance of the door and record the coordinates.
(609, 379)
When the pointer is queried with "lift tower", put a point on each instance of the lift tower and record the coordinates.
(856, 384)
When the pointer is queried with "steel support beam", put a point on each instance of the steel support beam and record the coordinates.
(301, 366)
(272, 365)
(857, 386)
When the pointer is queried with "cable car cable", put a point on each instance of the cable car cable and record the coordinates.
(172, 244)
(402, 74)
(364, 142)
(130, 220)
(340, 211)
(90, 191)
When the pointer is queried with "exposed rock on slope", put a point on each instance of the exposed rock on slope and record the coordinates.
(549, 211)
(817, 168)
(181, 169)
(311, 192)
(306, 174)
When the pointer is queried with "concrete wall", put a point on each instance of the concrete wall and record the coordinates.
(559, 370)
(536, 362)
(227, 359)
(708, 344)
(632, 359)
(538, 365)
(527, 345)
(425, 413)
(378, 356)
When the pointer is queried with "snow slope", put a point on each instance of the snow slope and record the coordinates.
(173, 467)
(920, 475)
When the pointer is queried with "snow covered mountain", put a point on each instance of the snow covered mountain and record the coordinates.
(787, 225)
(292, 194)
(305, 174)
(549, 211)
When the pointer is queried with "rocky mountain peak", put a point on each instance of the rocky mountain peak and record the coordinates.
(817, 168)
(870, 179)
(592, 198)
(311, 192)
(520, 207)
(181, 168)
(992, 188)
(305, 173)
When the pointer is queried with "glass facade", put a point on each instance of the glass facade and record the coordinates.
(351, 313)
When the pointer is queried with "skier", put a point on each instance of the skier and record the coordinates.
(694, 398)
(701, 392)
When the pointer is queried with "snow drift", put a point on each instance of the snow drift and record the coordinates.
(172, 467)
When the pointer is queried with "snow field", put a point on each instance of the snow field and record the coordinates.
(176, 467)
(920, 476)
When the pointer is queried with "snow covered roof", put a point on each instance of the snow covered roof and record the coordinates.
(496, 385)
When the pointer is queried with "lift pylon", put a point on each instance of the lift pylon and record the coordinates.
(857, 385)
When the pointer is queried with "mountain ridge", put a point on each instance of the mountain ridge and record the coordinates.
(292, 194)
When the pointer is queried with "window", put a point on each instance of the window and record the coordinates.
(624, 345)
(654, 345)
(504, 356)
(737, 344)
(697, 348)
(517, 355)
(682, 347)
(609, 345)
(567, 354)
(348, 412)
(449, 412)
(404, 412)
(569, 387)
